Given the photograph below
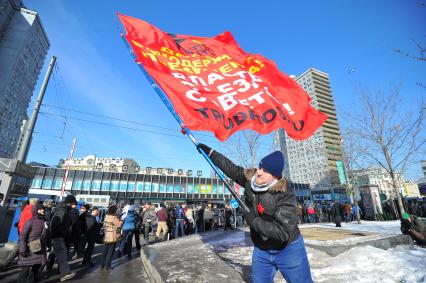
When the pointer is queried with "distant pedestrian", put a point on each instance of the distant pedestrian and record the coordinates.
(311, 213)
(92, 235)
(32, 245)
(138, 226)
(48, 206)
(348, 212)
(180, 221)
(75, 231)
(299, 213)
(112, 234)
(200, 218)
(59, 233)
(189, 219)
(336, 214)
(127, 232)
(171, 221)
(228, 215)
(27, 214)
(149, 221)
(162, 222)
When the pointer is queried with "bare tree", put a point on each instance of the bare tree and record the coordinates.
(352, 162)
(244, 146)
(421, 52)
(385, 135)
(420, 56)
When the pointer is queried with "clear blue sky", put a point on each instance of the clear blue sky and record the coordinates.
(97, 75)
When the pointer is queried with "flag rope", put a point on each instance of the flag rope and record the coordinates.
(169, 106)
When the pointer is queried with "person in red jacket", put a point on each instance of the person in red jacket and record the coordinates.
(27, 214)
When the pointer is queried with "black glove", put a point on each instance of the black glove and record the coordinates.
(249, 217)
(405, 226)
(204, 148)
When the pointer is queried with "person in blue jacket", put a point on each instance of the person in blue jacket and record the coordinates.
(127, 232)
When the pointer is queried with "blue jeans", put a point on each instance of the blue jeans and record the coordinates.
(126, 242)
(179, 225)
(292, 261)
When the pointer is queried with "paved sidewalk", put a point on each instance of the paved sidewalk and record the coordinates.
(132, 270)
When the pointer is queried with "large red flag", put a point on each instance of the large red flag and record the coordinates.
(215, 86)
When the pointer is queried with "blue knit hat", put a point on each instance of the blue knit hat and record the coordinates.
(273, 163)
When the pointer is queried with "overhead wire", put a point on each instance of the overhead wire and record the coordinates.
(206, 137)
(112, 150)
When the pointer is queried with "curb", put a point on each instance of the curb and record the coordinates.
(153, 275)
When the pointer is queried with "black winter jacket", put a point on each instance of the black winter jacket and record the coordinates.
(60, 222)
(92, 228)
(277, 226)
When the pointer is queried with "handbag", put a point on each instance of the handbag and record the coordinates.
(35, 246)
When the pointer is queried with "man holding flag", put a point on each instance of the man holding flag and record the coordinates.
(272, 218)
(212, 84)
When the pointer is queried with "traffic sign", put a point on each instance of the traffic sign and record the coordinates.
(234, 203)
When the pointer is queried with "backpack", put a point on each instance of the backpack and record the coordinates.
(112, 233)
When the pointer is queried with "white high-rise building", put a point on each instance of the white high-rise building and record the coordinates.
(23, 48)
(318, 160)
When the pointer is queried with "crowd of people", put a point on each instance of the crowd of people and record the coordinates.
(52, 233)
(327, 212)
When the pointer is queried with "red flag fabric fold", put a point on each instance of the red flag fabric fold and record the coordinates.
(215, 86)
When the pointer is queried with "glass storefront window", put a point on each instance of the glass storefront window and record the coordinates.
(139, 187)
(214, 190)
(147, 187)
(47, 183)
(131, 186)
(86, 185)
(123, 186)
(154, 187)
(57, 184)
(170, 188)
(96, 185)
(177, 188)
(190, 189)
(76, 185)
(114, 186)
(105, 186)
(36, 183)
(197, 189)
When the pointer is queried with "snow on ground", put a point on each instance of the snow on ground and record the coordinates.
(381, 227)
(359, 264)
(369, 264)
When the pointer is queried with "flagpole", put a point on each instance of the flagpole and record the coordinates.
(169, 106)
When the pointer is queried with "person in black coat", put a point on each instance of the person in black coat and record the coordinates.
(199, 218)
(272, 218)
(48, 205)
(92, 234)
(336, 214)
(59, 234)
